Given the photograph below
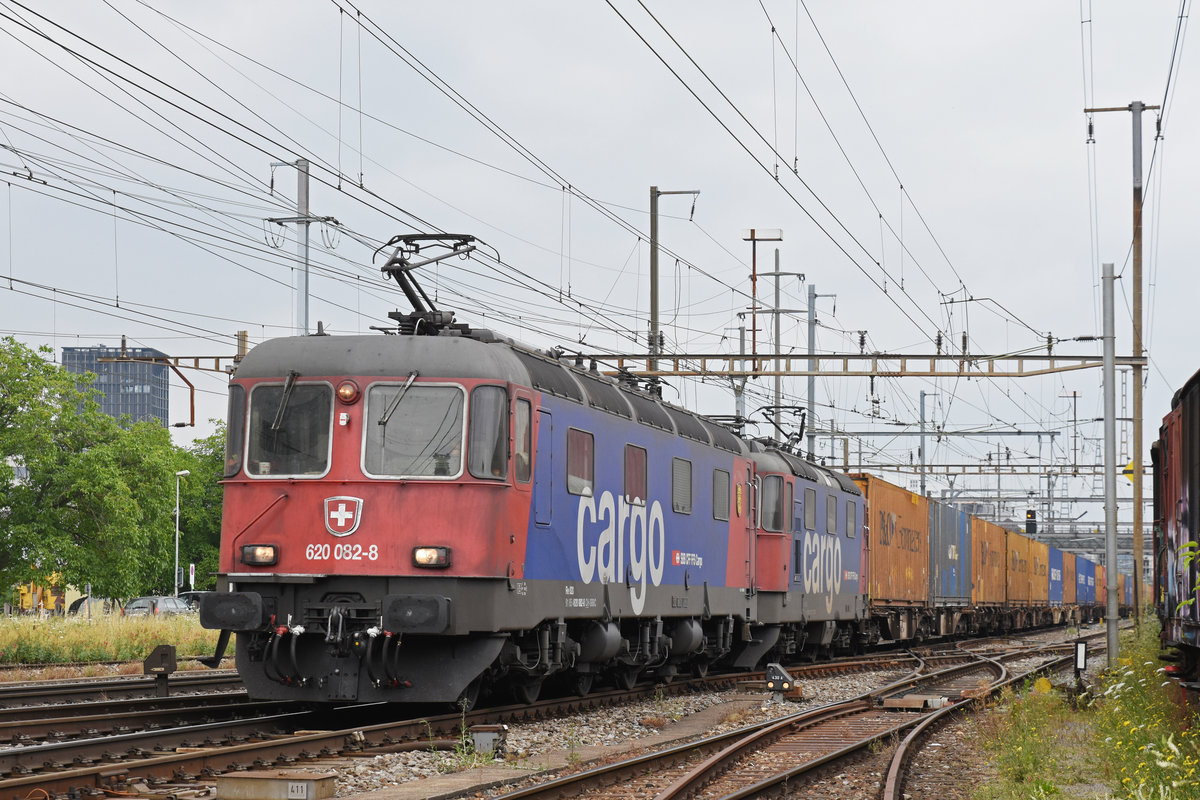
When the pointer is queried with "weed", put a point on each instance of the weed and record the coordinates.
(736, 717)
(464, 755)
(671, 709)
(1145, 736)
(1131, 735)
(1026, 732)
(573, 742)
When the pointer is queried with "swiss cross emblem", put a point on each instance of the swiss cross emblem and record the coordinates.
(342, 515)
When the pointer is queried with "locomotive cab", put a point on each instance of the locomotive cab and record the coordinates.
(364, 508)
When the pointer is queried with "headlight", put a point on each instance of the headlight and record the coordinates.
(347, 391)
(431, 556)
(259, 555)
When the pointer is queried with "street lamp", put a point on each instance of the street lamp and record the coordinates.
(183, 473)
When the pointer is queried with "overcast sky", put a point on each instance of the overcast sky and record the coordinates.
(927, 162)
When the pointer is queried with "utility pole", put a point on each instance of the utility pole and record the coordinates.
(812, 365)
(778, 348)
(303, 220)
(1136, 108)
(655, 193)
(754, 236)
(1110, 472)
(922, 445)
(739, 388)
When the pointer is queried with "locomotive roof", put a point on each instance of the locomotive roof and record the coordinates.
(474, 356)
(431, 356)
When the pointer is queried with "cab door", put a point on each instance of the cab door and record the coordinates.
(543, 470)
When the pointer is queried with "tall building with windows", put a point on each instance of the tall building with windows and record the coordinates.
(136, 388)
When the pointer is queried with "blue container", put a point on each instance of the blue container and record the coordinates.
(949, 555)
(1085, 582)
(1056, 577)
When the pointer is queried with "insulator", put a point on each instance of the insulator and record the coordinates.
(862, 341)
(937, 340)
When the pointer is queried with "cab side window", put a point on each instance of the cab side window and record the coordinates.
(524, 441)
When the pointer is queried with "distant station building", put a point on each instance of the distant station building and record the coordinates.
(135, 388)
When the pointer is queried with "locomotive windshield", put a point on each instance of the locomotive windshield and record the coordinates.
(289, 433)
(421, 437)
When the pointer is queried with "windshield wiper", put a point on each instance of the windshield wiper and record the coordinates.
(412, 376)
(283, 401)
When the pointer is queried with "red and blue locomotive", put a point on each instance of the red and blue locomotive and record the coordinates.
(1176, 458)
(411, 517)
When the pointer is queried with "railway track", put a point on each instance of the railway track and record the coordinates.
(75, 754)
(85, 759)
(776, 758)
(77, 690)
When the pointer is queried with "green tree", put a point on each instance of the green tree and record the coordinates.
(86, 499)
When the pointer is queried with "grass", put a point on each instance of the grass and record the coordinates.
(1131, 739)
(72, 640)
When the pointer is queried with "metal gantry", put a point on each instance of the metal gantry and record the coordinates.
(847, 365)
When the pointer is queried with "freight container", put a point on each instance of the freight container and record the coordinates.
(1129, 598)
(1018, 561)
(1101, 586)
(987, 564)
(1056, 577)
(949, 555)
(1122, 592)
(1069, 586)
(899, 528)
(1085, 581)
(1039, 573)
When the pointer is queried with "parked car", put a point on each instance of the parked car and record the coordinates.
(155, 606)
(192, 599)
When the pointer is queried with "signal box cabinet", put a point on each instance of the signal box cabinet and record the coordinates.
(987, 564)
